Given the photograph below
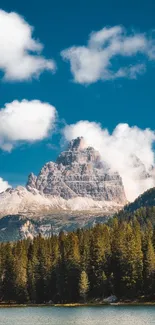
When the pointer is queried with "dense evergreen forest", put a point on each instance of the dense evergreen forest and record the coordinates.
(109, 259)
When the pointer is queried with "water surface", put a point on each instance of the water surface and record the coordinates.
(102, 315)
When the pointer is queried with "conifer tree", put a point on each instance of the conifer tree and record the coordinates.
(149, 269)
(21, 272)
(9, 277)
(83, 285)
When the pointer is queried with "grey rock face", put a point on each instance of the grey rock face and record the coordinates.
(32, 180)
(79, 172)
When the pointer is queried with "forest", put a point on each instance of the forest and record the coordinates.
(86, 265)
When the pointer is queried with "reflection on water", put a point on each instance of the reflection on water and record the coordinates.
(103, 315)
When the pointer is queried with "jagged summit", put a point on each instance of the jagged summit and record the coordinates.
(78, 152)
(79, 172)
(77, 144)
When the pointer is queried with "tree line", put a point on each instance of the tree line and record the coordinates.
(109, 259)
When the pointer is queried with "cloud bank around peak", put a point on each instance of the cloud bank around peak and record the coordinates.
(3, 185)
(95, 61)
(127, 150)
(25, 121)
(20, 53)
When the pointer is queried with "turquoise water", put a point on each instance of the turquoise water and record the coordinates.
(111, 315)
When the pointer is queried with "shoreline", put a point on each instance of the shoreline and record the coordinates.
(99, 304)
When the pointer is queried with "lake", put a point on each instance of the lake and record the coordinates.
(102, 315)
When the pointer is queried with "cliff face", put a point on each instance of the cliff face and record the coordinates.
(78, 172)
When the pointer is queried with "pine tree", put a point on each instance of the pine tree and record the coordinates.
(83, 285)
(60, 271)
(41, 272)
(118, 251)
(149, 269)
(21, 272)
(72, 262)
(132, 262)
(9, 278)
(1, 271)
(31, 267)
(98, 261)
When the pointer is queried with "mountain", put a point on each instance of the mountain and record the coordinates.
(142, 209)
(75, 191)
(79, 180)
(147, 199)
(78, 172)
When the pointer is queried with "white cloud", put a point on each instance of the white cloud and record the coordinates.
(3, 185)
(19, 51)
(25, 121)
(96, 60)
(127, 150)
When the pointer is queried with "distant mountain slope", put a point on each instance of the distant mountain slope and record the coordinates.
(147, 199)
(19, 226)
(142, 209)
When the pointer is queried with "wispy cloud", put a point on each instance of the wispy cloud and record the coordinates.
(3, 185)
(95, 61)
(20, 53)
(25, 121)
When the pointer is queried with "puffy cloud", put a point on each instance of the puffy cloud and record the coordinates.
(96, 60)
(25, 121)
(127, 150)
(19, 51)
(3, 185)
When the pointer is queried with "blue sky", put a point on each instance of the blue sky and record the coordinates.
(60, 25)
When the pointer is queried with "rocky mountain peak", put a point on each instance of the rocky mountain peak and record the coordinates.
(77, 144)
(78, 152)
(78, 172)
